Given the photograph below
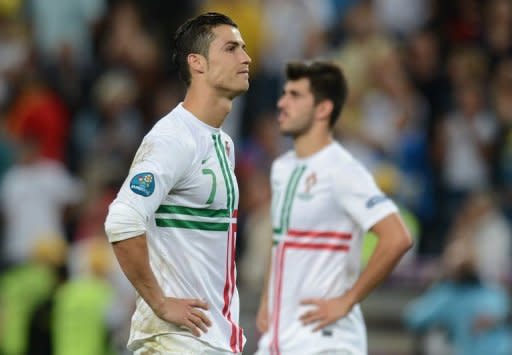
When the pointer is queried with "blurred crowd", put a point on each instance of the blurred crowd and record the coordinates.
(81, 82)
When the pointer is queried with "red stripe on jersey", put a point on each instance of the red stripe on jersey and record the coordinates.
(277, 299)
(278, 283)
(229, 288)
(234, 328)
(319, 234)
(316, 246)
(227, 284)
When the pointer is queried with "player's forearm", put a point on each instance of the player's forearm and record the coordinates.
(266, 280)
(132, 255)
(393, 242)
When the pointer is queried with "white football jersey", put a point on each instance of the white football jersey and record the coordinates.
(182, 192)
(321, 208)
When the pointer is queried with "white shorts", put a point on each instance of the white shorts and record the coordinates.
(173, 344)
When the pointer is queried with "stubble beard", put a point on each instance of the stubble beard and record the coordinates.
(232, 93)
(297, 132)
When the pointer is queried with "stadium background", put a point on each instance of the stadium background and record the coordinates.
(82, 81)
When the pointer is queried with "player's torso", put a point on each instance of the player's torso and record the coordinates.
(311, 227)
(192, 241)
(197, 219)
(316, 249)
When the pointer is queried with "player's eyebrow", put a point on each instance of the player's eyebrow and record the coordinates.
(291, 92)
(236, 44)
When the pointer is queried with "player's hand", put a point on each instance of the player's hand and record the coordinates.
(185, 313)
(327, 311)
(262, 318)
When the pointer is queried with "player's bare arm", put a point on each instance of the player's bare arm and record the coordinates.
(263, 316)
(132, 255)
(393, 241)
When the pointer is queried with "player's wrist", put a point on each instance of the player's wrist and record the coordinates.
(157, 304)
(349, 299)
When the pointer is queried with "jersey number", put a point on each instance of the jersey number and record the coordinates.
(211, 198)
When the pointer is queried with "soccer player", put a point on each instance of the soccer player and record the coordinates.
(323, 201)
(173, 223)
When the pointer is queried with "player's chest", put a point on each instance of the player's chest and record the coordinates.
(304, 194)
(212, 181)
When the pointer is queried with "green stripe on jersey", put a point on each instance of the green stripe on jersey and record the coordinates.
(192, 211)
(221, 155)
(288, 199)
(178, 223)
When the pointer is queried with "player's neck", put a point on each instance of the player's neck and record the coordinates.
(208, 107)
(311, 143)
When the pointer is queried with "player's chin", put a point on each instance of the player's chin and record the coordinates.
(240, 89)
(286, 132)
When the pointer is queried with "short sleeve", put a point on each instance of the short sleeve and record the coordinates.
(158, 165)
(356, 191)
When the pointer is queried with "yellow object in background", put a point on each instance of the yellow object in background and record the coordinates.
(370, 239)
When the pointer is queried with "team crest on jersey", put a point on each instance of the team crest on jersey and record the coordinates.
(309, 182)
(143, 184)
(227, 147)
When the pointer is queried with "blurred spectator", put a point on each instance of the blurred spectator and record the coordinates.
(64, 31)
(402, 17)
(26, 292)
(112, 130)
(363, 45)
(128, 44)
(292, 29)
(498, 30)
(11, 8)
(64, 35)
(33, 195)
(463, 21)
(465, 146)
(81, 325)
(425, 67)
(15, 53)
(471, 312)
(89, 256)
(502, 100)
(39, 113)
(466, 64)
(481, 225)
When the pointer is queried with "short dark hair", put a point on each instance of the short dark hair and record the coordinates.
(327, 82)
(195, 36)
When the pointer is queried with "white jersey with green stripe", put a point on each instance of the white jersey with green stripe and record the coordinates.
(182, 193)
(321, 208)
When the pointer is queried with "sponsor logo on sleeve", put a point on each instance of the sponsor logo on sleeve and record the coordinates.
(375, 200)
(143, 184)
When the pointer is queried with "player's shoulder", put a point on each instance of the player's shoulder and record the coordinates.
(340, 160)
(285, 159)
(172, 130)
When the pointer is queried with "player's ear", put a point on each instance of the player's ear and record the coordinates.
(196, 63)
(323, 109)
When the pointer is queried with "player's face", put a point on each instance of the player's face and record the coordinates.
(228, 62)
(296, 108)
